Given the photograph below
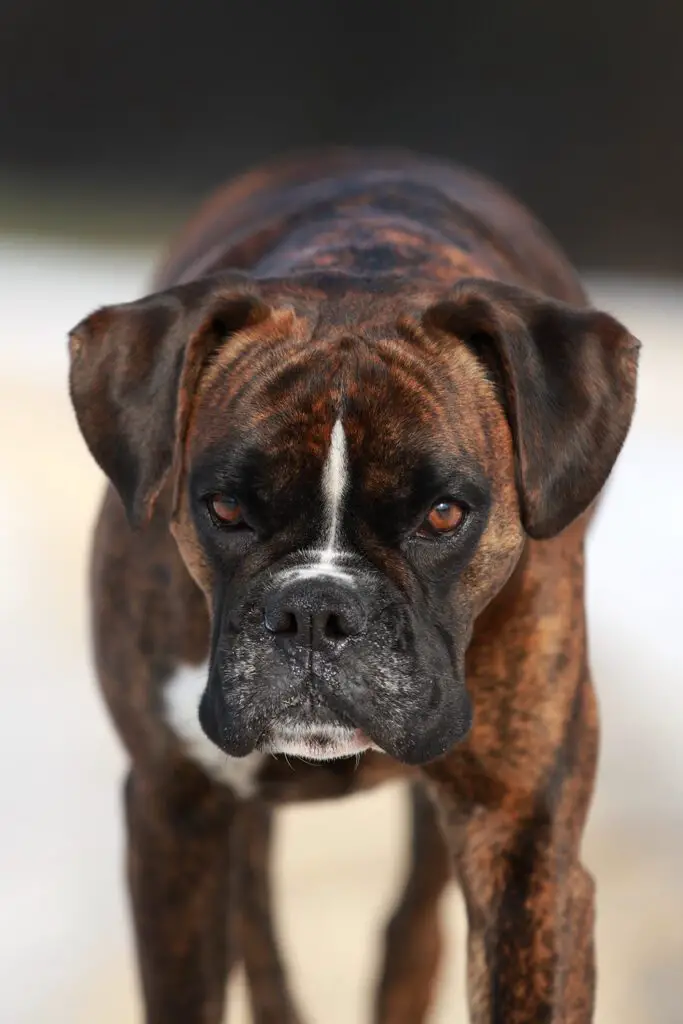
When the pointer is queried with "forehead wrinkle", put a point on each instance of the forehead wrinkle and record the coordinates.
(422, 402)
(298, 428)
(278, 324)
(454, 394)
(424, 380)
(251, 343)
(309, 355)
(239, 383)
(327, 369)
(300, 360)
(276, 357)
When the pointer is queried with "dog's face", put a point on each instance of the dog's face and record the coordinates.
(355, 475)
(352, 498)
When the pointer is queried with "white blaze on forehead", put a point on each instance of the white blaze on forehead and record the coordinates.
(335, 480)
(325, 560)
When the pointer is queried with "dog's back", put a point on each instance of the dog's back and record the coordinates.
(370, 213)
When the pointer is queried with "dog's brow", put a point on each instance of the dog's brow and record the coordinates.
(214, 473)
(461, 476)
(221, 464)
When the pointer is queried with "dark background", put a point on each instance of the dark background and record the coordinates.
(575, 106)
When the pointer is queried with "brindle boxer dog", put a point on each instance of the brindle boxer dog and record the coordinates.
(354, 440)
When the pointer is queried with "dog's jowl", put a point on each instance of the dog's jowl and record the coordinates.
(353, 440)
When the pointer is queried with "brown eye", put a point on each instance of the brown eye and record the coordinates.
(444, 517)
(225, 511)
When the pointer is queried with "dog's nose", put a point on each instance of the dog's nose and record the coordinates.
(314, 613)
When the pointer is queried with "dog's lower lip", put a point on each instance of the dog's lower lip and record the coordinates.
(319, 742)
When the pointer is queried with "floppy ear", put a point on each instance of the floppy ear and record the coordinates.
(134, 371)
(567, 379)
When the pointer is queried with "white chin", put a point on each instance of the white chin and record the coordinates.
(318, 743)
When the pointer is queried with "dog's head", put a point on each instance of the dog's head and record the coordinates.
(350, 476)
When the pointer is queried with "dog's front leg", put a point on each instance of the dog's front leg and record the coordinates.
(413, 940)
(530, 902)
(530, 914)
(179, 833)
(271, 1000)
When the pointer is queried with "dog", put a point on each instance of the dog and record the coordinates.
(354, 439)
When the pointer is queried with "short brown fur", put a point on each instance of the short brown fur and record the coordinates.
(512, 798)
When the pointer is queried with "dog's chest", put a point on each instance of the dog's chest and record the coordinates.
(182, 694)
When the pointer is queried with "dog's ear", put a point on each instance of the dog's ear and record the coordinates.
(134, 371)
(567, 380)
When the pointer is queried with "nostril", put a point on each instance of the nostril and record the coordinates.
(336, 627)
(289, 624)
(282, 622)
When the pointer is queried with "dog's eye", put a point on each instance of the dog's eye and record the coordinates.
(444, 517)
(225, 511)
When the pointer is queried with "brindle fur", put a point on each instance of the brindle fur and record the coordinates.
(342, 244)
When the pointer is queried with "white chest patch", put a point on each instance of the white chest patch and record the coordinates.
(182, 694)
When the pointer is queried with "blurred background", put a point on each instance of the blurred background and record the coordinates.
(114, 120)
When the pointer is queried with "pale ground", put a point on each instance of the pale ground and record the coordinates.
(64, 942)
